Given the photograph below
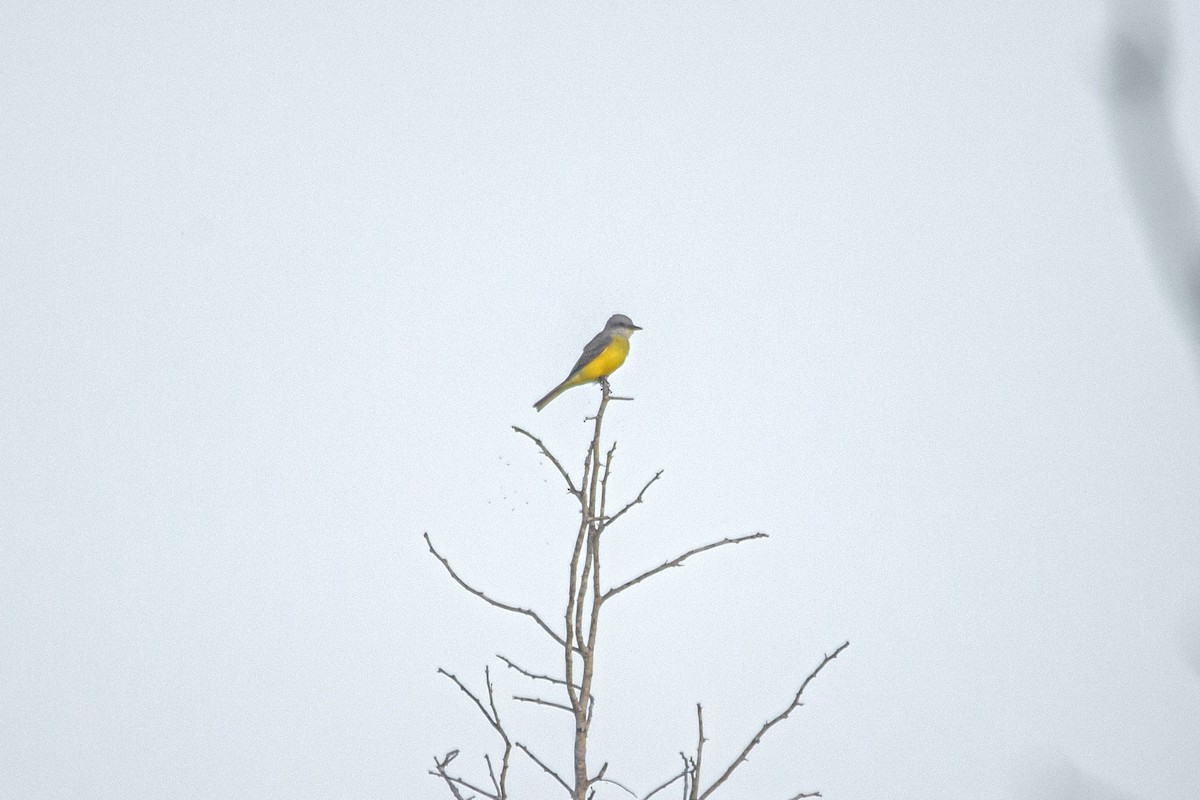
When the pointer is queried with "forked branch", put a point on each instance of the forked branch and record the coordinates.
(439, 770)
(492, 715)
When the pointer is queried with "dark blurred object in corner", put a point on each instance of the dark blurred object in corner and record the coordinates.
(1140, 109)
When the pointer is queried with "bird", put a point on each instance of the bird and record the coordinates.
(602, 355)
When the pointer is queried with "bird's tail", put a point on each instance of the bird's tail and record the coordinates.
(555, 392)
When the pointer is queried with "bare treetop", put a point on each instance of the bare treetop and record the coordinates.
(578, 639)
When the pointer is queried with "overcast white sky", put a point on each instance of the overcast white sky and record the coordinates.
(275, 280)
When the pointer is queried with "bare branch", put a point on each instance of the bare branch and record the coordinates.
(487, 677)
(699, 751)
(601, 779)
(553, 460)
(773, 721)
(492, 774)
(539, 701)
(504, 606)
(665, 784)
(482, 709)
(604, 481)
(678, 561)
(493, 718)
(501, 787)
(535, 676)
(627, 790)
(802, 795)
(549, 771)
(635, 501)
(452, 780)
(581, 597)
(577, 638)
(440, 772)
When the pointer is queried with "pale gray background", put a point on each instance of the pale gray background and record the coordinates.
(275, 279)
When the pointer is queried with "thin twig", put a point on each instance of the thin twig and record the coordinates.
(699, 751)
(450, 779)
(601, 779)
(549, 771)
(572, 636)
(580, 600)
(635, 501)
(678, 561)
(535, 676)
(482, 596)
(604, 481)
(539, 701)
(773, 721)
(664, 785)
(553, 459)
(482, 709)
(802, 795)
(492, 773)
(487, 676)
(501, 788)
(439, 771)
(493, 718)
(619, 785)
(549, 678)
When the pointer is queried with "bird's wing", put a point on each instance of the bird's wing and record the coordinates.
(594, 348)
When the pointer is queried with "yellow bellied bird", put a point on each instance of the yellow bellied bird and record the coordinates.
(600, 358)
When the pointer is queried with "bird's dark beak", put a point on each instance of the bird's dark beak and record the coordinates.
(636, 327)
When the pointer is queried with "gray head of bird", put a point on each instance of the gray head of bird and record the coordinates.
(619, 323)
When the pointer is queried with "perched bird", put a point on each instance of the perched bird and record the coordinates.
(600, 358)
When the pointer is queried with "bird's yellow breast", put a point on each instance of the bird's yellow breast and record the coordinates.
(609, 359)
